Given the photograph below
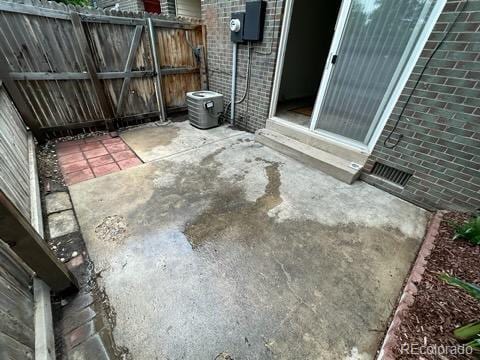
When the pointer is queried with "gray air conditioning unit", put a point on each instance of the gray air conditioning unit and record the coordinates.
(204, 108)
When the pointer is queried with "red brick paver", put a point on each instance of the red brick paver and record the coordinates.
(105, 169)
(96, 156)
(78, 176)
(101, 160)
(128, 163)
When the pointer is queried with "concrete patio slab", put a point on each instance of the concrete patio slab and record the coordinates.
(232, 248)
(154, 141)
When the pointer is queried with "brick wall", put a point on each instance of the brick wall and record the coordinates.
(441, 129)
(441, 126)
(253, 112)
(124, 5)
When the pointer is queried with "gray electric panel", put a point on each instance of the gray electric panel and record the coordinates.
(254, 20)
(204, 108)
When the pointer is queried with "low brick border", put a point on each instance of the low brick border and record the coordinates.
(410, 289)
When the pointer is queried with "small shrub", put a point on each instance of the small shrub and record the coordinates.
(469, 231)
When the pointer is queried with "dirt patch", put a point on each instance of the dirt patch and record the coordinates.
(51, 178)
(112, 228)
(439, 308)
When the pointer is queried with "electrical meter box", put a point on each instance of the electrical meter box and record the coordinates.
(254, 20)
(236, 27)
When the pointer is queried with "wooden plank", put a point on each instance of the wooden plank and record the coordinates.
(12, 349)
(19, 275)
(14, 302)
(18, 99)
(128, 66)
(40, 76)
(14, 175)
(44, 340)
(173, 25)
(156, 63)
(94, 123)
(11, 326)
(88, 56)
(24, 241)
(107, 19)
(183, 70)
(33, 10)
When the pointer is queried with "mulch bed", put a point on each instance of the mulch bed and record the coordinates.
(439, 308)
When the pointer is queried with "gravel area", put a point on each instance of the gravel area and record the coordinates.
(439, 308)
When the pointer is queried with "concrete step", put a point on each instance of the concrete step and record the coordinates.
(322, 160)
(308, 137)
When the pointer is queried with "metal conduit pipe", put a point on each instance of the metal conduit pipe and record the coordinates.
(234, 84)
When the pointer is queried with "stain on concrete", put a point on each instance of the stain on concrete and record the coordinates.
(225, 269)
(210, 159)
(230, 208)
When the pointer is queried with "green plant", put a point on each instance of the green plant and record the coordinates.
(469, 332)
(472, 289)
(474, 344)
(469, 231)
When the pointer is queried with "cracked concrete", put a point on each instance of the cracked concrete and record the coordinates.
(231, 249)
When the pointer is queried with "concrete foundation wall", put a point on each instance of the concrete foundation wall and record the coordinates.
(441, 126)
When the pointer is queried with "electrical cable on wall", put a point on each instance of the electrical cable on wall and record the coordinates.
(447, 32)
(247, 79)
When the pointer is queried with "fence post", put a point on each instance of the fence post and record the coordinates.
(158, 71)
(82, 40)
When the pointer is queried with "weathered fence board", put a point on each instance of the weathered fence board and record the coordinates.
(14, 175)
(76, 67)
(17, 339)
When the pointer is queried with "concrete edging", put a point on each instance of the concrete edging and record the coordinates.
(410, 289)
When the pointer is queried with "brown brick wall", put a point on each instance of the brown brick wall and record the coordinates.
(441, 126)
(252, 113)
(441, 129)
(168, 7)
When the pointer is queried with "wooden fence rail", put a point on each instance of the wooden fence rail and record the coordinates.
(70, 67)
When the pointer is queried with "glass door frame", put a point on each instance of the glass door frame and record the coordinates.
(336, 41)
(390, 100)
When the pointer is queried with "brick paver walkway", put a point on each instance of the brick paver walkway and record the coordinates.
(85, 159)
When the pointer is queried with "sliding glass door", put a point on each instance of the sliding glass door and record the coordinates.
(372, 56)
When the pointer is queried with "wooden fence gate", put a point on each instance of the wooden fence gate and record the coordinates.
(70, 67)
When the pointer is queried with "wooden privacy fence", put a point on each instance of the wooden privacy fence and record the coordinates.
(70, 67)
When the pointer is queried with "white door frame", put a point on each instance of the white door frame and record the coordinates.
(339, 30)
(282, 47)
